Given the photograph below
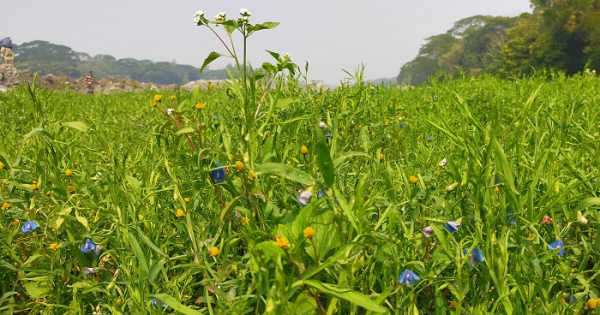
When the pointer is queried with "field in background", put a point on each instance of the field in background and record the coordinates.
(143, 182)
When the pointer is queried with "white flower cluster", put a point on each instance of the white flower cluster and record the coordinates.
(198, 18)
(287, 57)
(222, 16)
(245, 16)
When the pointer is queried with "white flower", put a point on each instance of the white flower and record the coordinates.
(428, 231)
(88, 270)
(221, 16)
(245, 12)
(444, 162)
(170, 111)
(243, 20)
(451, 187)
(287, 57)
(304, 197)
(198, 17)
(322, 125)
(98, 250)
(582, 220)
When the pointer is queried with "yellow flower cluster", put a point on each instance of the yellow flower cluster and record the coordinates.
(239, 166)
(68, 172)
(213, 251)
(200, 106)
(309, 232)
(412, 179)
(5, 206)
(282, 242)
(180, 213)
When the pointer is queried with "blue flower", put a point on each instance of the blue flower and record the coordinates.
(476, 256)
(430, 138)
(510, 217)
(328, 134)
(401, 125)
(156, 302)
(497, 180)
(215, 117)
(452, 226)
(29, 226)
(88, 246)
(320, 193)
(435, 96)
(408, 277)
(218, 174)
(556, 245)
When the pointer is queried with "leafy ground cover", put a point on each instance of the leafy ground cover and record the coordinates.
(469, 196)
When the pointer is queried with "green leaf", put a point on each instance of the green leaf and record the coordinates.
(348, 155)
(262, 26)
(285, 171)
(148, 242)
(185, 131)
(137, 250)
(176, 305)
(77, 125)
(346, 294)
(37, 290)
(595, 201)
(211, 57)
(155, 270)
(274, 54)
(325, 162)
(37, 131)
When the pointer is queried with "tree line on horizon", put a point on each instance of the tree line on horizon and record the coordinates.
(47, 58)
(561, 35)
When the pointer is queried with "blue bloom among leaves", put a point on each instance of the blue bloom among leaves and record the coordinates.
(430, 138)
(408, 277)
(556, 245)
(88, 246)
(452, 226)
(218, 174)
(29, 226)
(401, 125)
(476, 256)
(156, 302)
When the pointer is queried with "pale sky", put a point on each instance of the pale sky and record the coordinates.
(330, 34)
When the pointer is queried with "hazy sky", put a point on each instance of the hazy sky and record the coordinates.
(330, 34)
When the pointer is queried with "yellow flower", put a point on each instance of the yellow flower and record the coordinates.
(239, 166)
(251, 174)
(153, 104)
(53, 246)
(246, 220)
(381, 156)
(157, 98)
(373, 134)
(1, 165)
(33, 186)
(180, 213)
(5, 206)
(70, 189)
(200, 106)
(282, 242)
(412, 179)
(64, 278)
(68, 172)
(119, 302)
(309, 232)
(186, 199)
(172, 97)
(213, 251)
(496, 189)
(304, 150)
(453, 304)
(591, 303)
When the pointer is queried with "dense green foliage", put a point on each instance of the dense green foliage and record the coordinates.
(47, 58)
(515, 150)
(559, 35)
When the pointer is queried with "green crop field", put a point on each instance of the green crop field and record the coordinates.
(268, 196)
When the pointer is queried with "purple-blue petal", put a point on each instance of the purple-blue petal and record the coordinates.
(29, 226)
